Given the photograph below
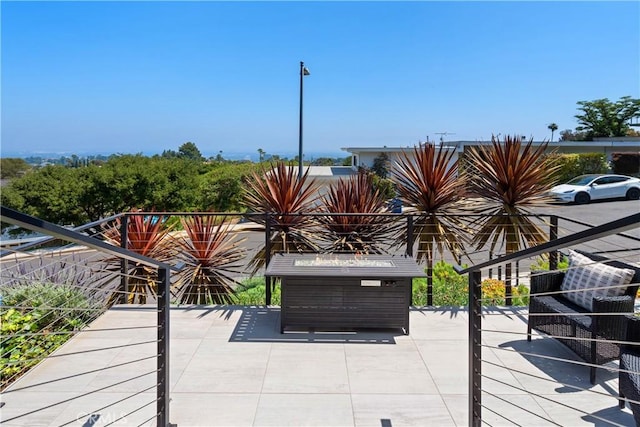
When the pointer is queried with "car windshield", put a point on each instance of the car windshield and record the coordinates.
(582, 180)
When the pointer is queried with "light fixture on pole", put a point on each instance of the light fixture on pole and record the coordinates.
(304, 71)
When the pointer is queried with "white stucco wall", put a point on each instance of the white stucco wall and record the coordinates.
(366, 155)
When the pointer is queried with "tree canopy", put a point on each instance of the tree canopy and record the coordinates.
(12, 168)
(190, 151)
(604, 118)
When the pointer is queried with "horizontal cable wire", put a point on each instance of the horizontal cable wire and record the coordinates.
(44, 334)
(541, 356)
(83, 331)
(115, 275)
(53, 322)
(132, 412)
(155, 356)
(573, 291)
(500, 415)
(519, 407)
(551, 400)
(79, 396)
(60, 257)
(568, 338)
(112, 404)
(49, 308)
(27, 362)
(51, 356)
(511, 369)
(147, 420)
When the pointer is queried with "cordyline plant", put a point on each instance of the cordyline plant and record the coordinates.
(210, 252)
(429, 183)
(510, 177)
(284, 199)
(147, 236)
(362, 233)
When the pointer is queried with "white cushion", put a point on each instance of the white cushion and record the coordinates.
(585, 274)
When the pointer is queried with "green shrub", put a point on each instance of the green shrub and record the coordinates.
(452, 289)
(252, 291)
(572, 165)
(592, 163)
(60, 306)
(494, 291)
(542, 264)
(449, 288)
(49, 311)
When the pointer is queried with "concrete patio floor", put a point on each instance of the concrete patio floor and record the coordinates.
(230, 366)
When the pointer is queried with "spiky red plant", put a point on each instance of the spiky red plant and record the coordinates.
(210, 252)
(355, 233)
(510, 177)
(428, 182)
(511, 173)
(285, 198)
(146, 235)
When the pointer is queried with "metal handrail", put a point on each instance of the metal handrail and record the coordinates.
(23, 220)
(626, 223)
(47, 239)
(164, 298)
(475, 291)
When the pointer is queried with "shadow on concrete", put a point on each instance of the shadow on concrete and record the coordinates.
(600, 418)
(262, 324)
(561, 365)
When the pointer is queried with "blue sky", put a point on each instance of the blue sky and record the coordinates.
(148, 76)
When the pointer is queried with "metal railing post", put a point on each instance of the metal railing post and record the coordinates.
(553, 235)
(475, 349)
(267, 257)
(491, 269)
(163, 383)
(409, 250)
(430, 284)
(124, 264)
(507, 284)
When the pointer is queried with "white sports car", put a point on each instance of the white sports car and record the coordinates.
(584, 188)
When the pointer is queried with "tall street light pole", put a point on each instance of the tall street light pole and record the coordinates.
(303, 72)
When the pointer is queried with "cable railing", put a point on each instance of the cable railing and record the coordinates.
(50, 297)
(123, 265)
(563, 344)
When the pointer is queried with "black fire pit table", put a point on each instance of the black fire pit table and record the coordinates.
(344, 292)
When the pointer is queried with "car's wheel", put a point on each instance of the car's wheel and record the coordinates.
(633, 194)
(582, 198)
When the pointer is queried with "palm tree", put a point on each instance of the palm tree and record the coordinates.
(284, 198)
(510, 178)
(553, 127)
(354, 233)
(429, 183)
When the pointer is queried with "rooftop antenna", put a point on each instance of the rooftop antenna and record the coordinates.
(443, 134)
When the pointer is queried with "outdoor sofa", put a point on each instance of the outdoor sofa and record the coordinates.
(570, 306)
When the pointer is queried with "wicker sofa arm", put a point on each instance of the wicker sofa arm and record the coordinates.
(612, 326)
(546, 282)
